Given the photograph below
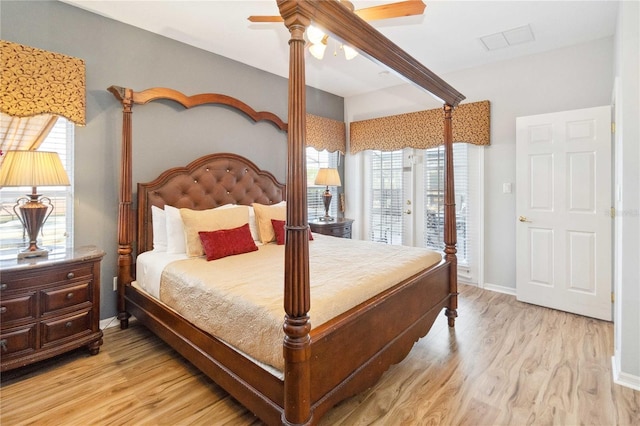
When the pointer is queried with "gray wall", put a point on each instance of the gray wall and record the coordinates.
(165, 135)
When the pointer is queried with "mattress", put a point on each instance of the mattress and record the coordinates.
(239, 299)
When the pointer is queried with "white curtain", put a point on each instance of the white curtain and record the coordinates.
(24, 133)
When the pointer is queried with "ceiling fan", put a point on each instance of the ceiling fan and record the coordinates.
(318, 40)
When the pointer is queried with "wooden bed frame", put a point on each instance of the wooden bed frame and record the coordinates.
(341, 358)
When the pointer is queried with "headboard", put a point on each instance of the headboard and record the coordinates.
(210, 181)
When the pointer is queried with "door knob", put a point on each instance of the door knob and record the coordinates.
(524, 219)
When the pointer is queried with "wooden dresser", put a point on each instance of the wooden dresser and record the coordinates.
(339, 227)
(49, 305)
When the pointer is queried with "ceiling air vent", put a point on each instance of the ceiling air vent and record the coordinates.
(508, 38)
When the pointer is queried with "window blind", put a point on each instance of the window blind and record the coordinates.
(385, 223)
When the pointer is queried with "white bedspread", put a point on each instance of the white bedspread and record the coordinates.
(149, 267)
(240, 298)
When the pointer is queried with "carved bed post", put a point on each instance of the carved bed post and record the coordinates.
(450, 222)
(296, 345)
(125, 219)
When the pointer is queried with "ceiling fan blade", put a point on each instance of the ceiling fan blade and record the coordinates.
(392, 10)
(265, 18)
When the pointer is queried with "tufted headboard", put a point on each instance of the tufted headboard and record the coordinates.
(208, 182)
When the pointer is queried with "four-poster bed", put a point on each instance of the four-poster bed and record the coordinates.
(346, 354)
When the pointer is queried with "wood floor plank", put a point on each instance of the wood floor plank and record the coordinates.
(505, 363)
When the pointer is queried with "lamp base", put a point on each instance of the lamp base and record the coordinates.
(33, 213)
(28, 254)
(326, 200)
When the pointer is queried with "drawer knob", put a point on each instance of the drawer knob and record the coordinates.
(69, 295)
(3, 286)
(3, 309)
(70, 275)
(68, 324)
(3, 345)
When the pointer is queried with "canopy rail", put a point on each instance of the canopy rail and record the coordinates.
(158, 93)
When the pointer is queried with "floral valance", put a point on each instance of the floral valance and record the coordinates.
(324, 133)
(422, 129)
(36, 81)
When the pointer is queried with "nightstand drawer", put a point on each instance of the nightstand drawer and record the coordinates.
(65, 327)
(339, 227)
(18, 341)
(60, 298)
(68, 274)
(343, 231)
(18, 308)
(39, 277)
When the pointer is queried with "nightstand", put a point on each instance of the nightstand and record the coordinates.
(339, 227)
(49, 305)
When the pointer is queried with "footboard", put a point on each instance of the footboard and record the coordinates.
(347, 358)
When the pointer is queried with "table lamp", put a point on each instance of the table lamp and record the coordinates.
(327, 177)
(32, 168)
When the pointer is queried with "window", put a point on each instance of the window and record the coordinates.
(316, 160)
(56, 234)
(385, 206)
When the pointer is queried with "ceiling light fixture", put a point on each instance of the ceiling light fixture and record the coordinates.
(318, 44)
(318, 40)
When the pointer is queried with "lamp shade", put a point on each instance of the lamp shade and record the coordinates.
(315, 35)
(32, 168)
(328, 177)
(317, 50)
(349, 52)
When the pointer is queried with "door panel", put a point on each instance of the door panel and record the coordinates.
(541, 256)
(563, 182)
(541, 182)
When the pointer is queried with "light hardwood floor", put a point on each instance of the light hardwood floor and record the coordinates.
(505, 363)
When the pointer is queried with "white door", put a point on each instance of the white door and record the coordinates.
(563, 186)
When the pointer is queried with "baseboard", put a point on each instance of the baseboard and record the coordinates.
(624, 379)
(499, 289)
(108, 322)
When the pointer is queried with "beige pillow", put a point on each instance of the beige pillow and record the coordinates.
(210, 220)
(264, 214)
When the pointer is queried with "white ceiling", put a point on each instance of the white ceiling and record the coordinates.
(445, 39)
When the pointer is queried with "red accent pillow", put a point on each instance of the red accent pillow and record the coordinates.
(227, 242)
(278, 229)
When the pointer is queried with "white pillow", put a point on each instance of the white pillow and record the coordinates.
(264, 214)
(210, 220)
(176, 237)
(253, 225)
(175, 231)
(159, 222)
